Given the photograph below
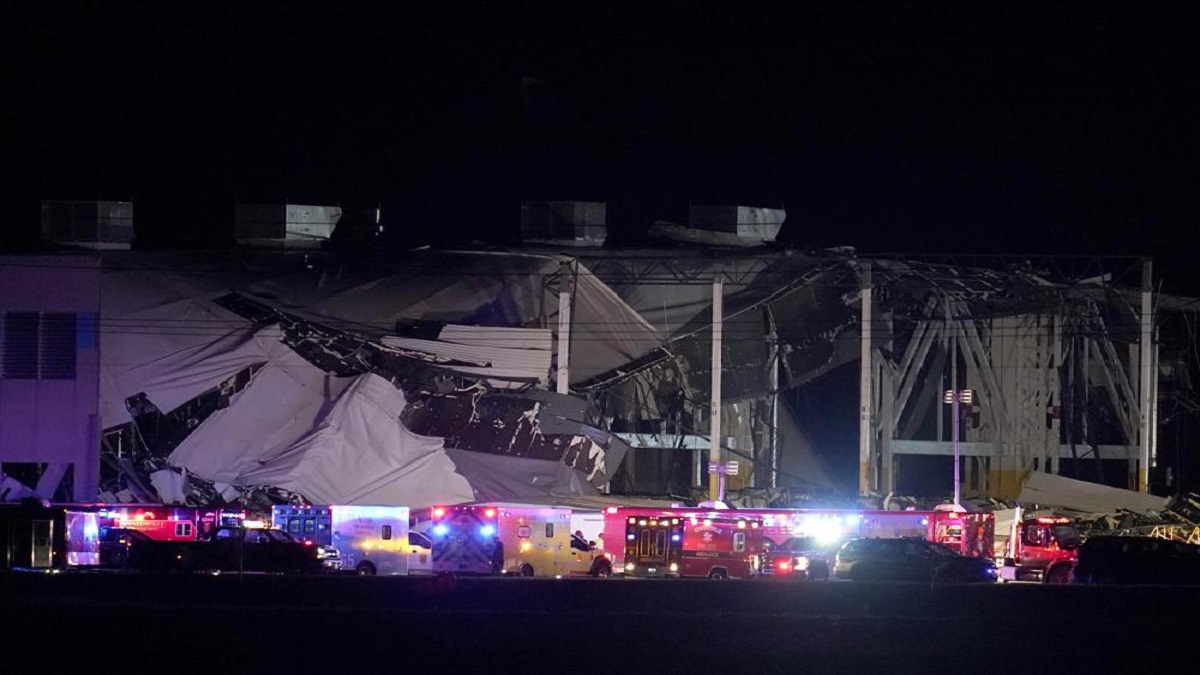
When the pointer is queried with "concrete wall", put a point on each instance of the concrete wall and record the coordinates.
(43, 420)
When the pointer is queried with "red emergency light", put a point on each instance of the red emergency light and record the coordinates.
(439, 512)
(490, 513)
(1048, 520)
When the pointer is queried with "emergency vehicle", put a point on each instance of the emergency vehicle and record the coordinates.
(464, 539)
(653, 546)
(971, 534)
(539, 541)
(167, 523)
(315, 523)
(304, 522)
(696, 546)
(370, 539)
(1041, 548)
(967, 533)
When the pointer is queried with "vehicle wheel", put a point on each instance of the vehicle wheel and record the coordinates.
(526, 570)
(718, 574)
(365, 569)
(602, 570)
(1058, 575)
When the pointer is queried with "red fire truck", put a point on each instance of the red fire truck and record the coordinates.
(167, 523)
(695, 546)
(1038, 548)
(968, 533)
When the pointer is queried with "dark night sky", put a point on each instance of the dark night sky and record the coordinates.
(888, 130)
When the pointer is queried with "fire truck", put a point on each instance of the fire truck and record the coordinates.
(538, 541)
(465, 539)
(40, 535)
(166, 523)
(700, 545)
(1036, 547)
(967, 533)
(971, 534)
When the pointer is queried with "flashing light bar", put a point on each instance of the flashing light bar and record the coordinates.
(611, 509)
(1047, 520)
(438, 512)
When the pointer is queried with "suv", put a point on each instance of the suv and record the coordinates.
(798, 558)
(1117, 559)
(908, 560)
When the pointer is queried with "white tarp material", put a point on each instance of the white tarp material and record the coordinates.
(160, 335)
(478, 288)
(510, 359)
(333, 440)
(338, 440)
(1051, 490)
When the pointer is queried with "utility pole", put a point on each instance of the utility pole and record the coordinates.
(714, 407)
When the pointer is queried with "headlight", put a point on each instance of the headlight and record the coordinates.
(629, 567)
(674, 567)
(801, 563)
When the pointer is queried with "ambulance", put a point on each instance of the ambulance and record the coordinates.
(371, 540)
(697, 545)
(540, 542)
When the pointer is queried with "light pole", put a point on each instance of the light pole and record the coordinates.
(720, 470)
(955, 397)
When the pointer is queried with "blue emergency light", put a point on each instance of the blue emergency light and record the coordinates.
(487, 530)
(440, 529)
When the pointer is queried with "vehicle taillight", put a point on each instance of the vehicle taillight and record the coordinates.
(782, 564)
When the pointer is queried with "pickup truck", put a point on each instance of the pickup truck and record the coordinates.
(225, 549)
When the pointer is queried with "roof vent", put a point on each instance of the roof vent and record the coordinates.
(564, 223)
(89, 224)
(284, 225)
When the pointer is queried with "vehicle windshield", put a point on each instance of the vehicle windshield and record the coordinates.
(943, 550)
(278, 535)
(1067, 536)
(112, 534)
(797, 544)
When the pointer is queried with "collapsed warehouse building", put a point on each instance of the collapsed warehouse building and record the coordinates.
(555, 372)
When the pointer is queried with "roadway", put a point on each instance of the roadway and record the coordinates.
(259, 623)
